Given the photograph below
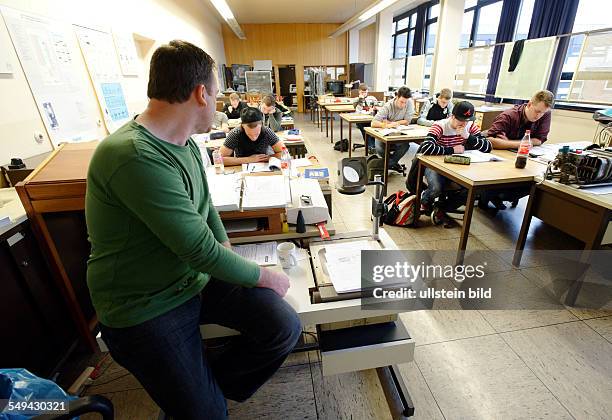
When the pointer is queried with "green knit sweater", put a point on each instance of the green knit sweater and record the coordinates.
(155, 235)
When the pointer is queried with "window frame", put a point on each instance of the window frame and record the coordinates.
(476, 9)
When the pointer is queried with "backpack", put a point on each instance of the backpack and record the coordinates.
(341, 145)
(400, 209)
(375, 165)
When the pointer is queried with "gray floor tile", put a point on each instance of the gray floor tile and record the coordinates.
(602, 325)
(573, 361)
(482, 378)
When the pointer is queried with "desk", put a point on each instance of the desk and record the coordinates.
(582, 215)
(331, 109)
(475, 178)
(352, 118)
(324, 102)
(417, 135)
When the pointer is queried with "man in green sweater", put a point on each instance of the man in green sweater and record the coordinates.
(161, 263)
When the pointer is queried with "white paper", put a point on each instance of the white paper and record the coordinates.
(261, 192)
(6, 51)
(476, 156)
(127, 54)
(344, 265)
(607, 189)
(263, 253)
(225, 190)
(101, 59)
(52, 63)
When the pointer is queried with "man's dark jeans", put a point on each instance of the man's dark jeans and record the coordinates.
(166, 353)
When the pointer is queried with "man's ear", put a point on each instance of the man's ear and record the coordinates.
(200, 95)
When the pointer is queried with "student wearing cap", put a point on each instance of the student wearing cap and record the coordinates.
(437, 108)
(398, 111)
(234, 107)
(365, 103)
(250, 142)
(451, 135)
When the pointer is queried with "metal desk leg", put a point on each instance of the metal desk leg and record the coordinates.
(396, 392)
(522, 238)
(419, 187)
(331, 114)
(465, 229)
(350, 139)
(385, 167)
(341, 135)
(326, 122)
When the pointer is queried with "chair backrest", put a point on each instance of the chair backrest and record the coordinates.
(220, 105)
(354, 93)
(253, 97)
(378, 95)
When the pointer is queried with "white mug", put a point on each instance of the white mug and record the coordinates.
(286, 254)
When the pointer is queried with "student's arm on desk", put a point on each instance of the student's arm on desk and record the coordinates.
(278, 148)
(502, 142)
(230, 160)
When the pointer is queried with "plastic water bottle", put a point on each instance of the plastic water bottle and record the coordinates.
(285, 162)
(218, 162)
(523, 151)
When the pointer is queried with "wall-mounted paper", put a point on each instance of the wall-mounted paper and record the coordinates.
(51, 61)
(127, 53)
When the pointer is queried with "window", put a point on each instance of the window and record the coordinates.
(524, 20)
(480, 23)
(427, 72)
(400, 45)
(593, 74)
(404, 34)
(472, 74)
(592, 15)
(431, 28)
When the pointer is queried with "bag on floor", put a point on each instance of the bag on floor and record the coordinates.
(400, 209)
(341, 145)
(376, 166)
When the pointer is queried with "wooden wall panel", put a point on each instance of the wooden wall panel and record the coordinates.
(301, 44)
(367, 44)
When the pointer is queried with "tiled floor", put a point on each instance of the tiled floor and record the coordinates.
(548, 363)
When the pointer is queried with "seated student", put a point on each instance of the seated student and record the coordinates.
(250, 142)
(365, 103)
(273, 112)
(398, 111)
(509, 127)
(437, 108)
(220, 122)
(451, 135)
(506, 133)
(234, 107)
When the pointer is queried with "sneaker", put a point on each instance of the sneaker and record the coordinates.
(397, 168)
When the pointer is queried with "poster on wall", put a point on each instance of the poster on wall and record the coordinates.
(51, 61)
(6, 50)
(127, 53)
(99, 52)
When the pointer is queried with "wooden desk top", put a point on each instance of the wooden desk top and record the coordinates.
(68, 163)
(418, 132)
(487, 173)
(356, 117)
(340, 108)
(603, 200)
(336, 101)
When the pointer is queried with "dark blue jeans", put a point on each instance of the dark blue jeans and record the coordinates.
(166, 353)
(368, 140)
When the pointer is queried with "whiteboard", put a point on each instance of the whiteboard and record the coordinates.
(51, 61)
(415, 71)
(396, 72)
(258, 81)
(531, 73)
(104, 70)
(126, 53)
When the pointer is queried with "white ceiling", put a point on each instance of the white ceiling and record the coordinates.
(295, 11)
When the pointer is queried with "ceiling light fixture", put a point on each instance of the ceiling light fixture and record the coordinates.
(226, 13)
(362, 16)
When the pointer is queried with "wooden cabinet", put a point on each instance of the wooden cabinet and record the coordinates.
(54, 199)
(37, 331)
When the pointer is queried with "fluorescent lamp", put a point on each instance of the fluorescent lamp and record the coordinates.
(377, 8)
(223, 9)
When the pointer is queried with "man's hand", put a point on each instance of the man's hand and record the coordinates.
(536, 142)
(393, 124)
(230, 108)
(258, 158)
(279, 282)
(502, 136)
(227, 244)
(458, 148)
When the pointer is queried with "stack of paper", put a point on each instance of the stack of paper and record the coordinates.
(225, 191)
(263, 253)
(476, 156)
(344, 265)
(261, 192)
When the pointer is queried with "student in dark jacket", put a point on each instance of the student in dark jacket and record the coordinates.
(234, 107)
(455, 134)
(437, 108)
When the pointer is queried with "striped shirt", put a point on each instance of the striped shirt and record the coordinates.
(442, 137)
